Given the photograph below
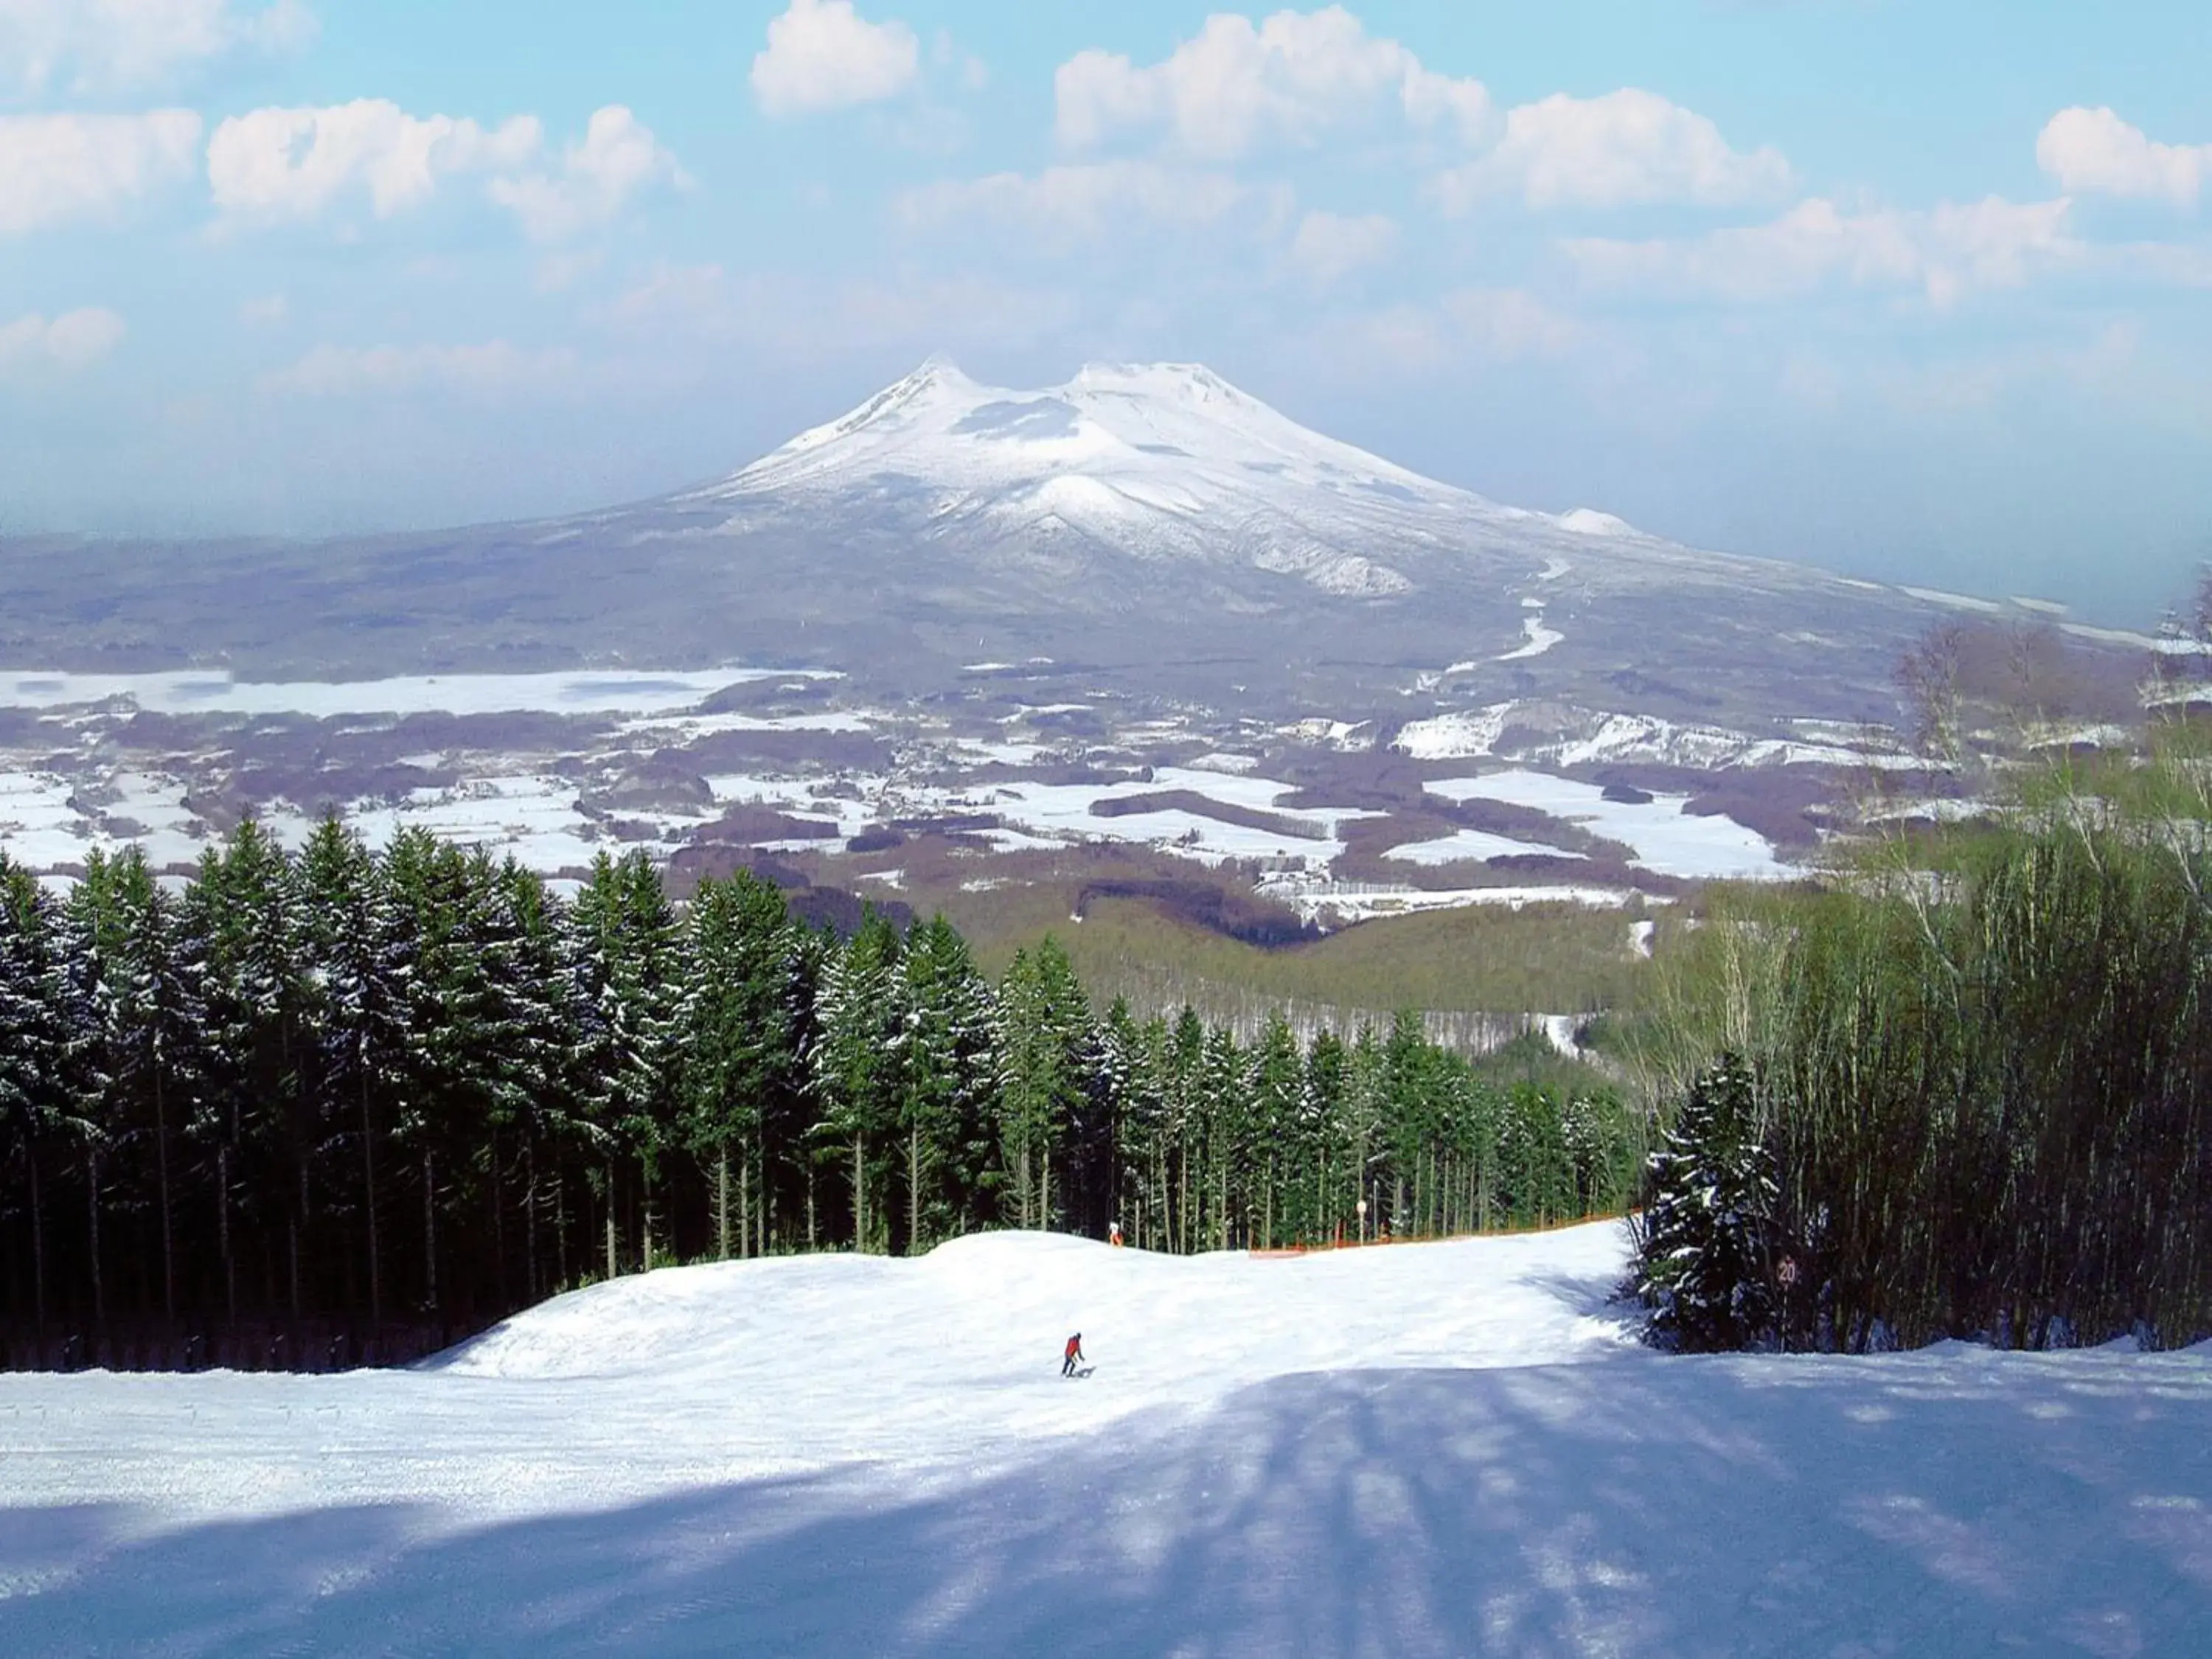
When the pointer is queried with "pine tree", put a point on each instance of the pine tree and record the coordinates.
(1705, 1257)
(859, 1061)
(1147, 1136)
(1043, 1024)
(1224, 1091)
(35, 1115)
(627, 986)
(1328, 1158)
(1184, 1078)
(364, 952)
(1277, 1097)
(740, 1053)
(537, 1080)
(946, 1083)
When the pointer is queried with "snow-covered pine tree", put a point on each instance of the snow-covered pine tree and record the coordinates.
(1225, 1096)
(1146, 1139)
(1364, 1113)
(536, 1070)
(858, 1060)
(363, 953)
(1090, 1163)
(1326, 1155)
(740, 1055)
(947, 1081)
(1043, 1023)
(1185, 1125)
(81, 1004)
(33, 1041)
(1705, 1258)
(629, 985)
(1277, 1080)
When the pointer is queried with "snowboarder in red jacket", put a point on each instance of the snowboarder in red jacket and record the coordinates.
(1075, 1353)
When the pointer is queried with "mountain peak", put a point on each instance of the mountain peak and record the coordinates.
(1190, 383)
(1160, 462)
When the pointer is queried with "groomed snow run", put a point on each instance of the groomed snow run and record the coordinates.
(1428, 1450)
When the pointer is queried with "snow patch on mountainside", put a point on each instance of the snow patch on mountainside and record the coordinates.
(1540, 639)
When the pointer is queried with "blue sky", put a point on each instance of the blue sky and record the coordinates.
(1917, 289)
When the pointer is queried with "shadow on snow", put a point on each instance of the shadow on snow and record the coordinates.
(1951, 1502)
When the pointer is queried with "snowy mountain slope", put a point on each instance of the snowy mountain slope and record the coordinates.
(1160, 462)
(1157, 523)
(1158, 534)
(1429, 1449)
(1166, 462)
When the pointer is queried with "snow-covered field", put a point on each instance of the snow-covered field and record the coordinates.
(1472, 845)
(1447, 1449)
(1666, 840)
(584, 692)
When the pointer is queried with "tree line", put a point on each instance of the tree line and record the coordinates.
(416, 1083)
(1964, 1090)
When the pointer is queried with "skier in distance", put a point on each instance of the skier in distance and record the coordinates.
(1072, 1356)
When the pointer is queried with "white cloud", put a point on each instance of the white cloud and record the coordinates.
(1330, 246)
(617, 158)
(72, 340)
(492, 369)
(822, 55)
(59, 167)
(296, 163)
(103, 46)
(1945, 251)
(1629, 148)
(2094, 152)
(1236, 86)
(1081, 202)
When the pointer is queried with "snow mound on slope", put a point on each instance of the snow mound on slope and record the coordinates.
(995, 1308)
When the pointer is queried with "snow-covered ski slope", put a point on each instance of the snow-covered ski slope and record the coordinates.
(1428, 1450)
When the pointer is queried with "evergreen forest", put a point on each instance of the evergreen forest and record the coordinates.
(344, 1105)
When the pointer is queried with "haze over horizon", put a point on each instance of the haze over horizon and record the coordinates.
(1911, 292)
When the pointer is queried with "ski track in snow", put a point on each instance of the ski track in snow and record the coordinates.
(1438, 1449)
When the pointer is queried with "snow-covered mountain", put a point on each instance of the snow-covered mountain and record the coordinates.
(1155, 517)
(1159, 535)
(1159, 462)
(1165, 461)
